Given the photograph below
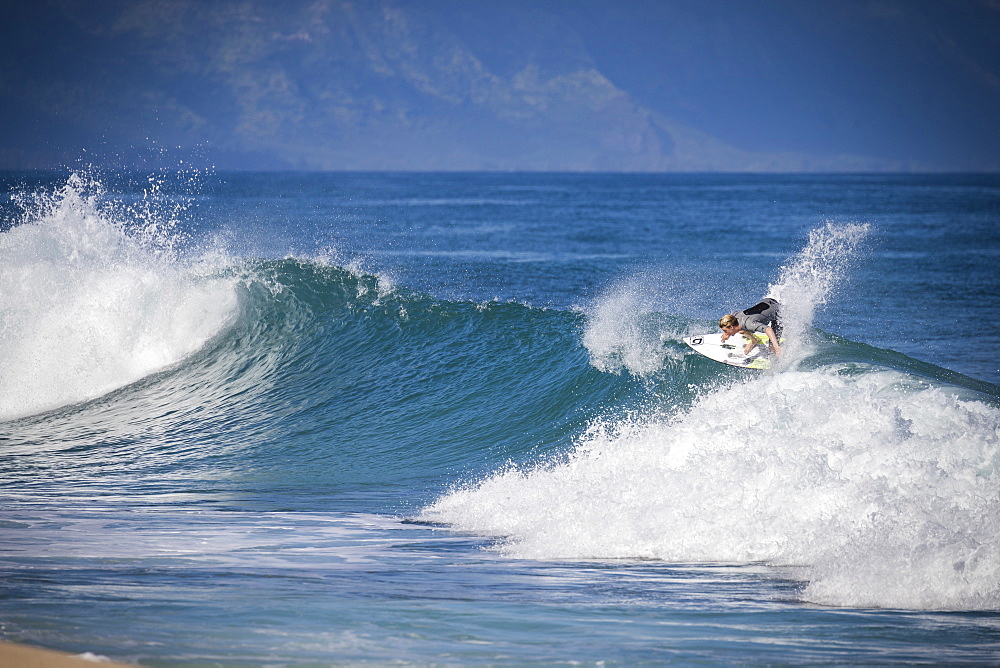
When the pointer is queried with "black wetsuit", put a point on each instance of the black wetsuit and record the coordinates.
(758, 317)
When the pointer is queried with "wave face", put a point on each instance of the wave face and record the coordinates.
(380, 385)
(335, 377)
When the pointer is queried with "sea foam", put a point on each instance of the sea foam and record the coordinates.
(878, 491)
(96, 297)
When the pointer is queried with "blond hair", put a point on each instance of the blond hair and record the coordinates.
(729, 321)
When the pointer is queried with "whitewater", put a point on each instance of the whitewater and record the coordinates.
(90, 307)
(332, 419)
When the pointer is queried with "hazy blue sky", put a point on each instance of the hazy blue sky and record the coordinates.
(780, 85)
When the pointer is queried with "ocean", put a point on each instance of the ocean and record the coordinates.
(296, 419)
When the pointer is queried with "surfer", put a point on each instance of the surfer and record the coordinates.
(762, 317)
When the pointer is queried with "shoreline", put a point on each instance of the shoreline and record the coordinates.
(16, 655)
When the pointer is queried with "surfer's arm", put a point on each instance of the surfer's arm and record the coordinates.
(727, 335)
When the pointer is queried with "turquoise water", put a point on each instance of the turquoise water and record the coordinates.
(322, 419)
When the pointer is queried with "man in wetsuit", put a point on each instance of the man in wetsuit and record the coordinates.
(762, 317)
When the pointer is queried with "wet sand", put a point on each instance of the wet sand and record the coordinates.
(13, 655)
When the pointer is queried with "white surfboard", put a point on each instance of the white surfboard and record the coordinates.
(731, 352)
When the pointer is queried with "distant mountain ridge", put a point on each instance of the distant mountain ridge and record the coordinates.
(344, 85)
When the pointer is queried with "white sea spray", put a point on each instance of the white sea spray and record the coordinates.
(97, 296)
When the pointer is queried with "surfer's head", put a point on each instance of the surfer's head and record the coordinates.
(728, 321)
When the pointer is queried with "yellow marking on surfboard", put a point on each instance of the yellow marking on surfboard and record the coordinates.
(762, 338)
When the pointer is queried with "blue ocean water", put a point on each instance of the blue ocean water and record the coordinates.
(327, 419)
